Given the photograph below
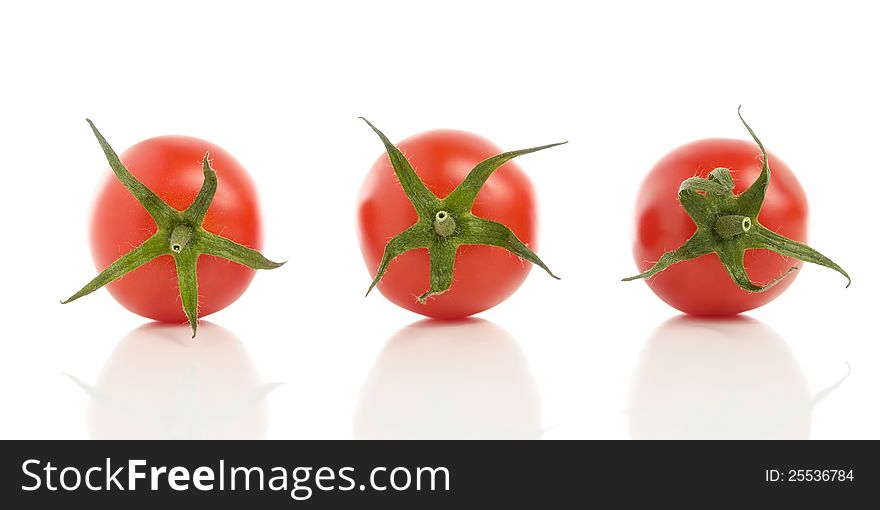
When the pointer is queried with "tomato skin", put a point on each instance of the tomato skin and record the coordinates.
(484, 275)
(702, 286)
(171, 167)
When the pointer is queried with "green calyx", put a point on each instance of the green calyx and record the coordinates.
(178, 234)
(727, 225)
(444, 224)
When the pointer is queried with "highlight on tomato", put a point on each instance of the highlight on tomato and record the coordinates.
(170, 223)
(722, 248)
(438, 224)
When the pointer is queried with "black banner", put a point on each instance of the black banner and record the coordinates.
(419, 474)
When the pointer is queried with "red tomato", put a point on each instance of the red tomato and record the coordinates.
(171, 167)
(702, 286)
(484, 275)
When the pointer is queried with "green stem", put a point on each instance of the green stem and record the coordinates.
(180, 238)
(732, 225)
(444, 224)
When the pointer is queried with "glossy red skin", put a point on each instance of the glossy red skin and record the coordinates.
(702, 286)
(171, 167)
(484, 275)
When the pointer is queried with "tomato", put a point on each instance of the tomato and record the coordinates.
(733, 239)
(171, 167)
(702, 286)
(484, 276)
(172, 226)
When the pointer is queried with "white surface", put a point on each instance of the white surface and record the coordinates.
(280, 85)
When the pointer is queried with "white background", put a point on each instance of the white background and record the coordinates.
(280, 85)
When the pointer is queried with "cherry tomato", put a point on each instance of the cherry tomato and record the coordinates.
(171, 167)
(484, 275)
(702, 286)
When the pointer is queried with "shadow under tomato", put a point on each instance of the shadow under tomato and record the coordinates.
(449, 380)
(701, 378)
(159, 383)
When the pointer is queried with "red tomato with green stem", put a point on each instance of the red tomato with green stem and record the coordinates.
(447, 223)
(733, 239)
(179, 219)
